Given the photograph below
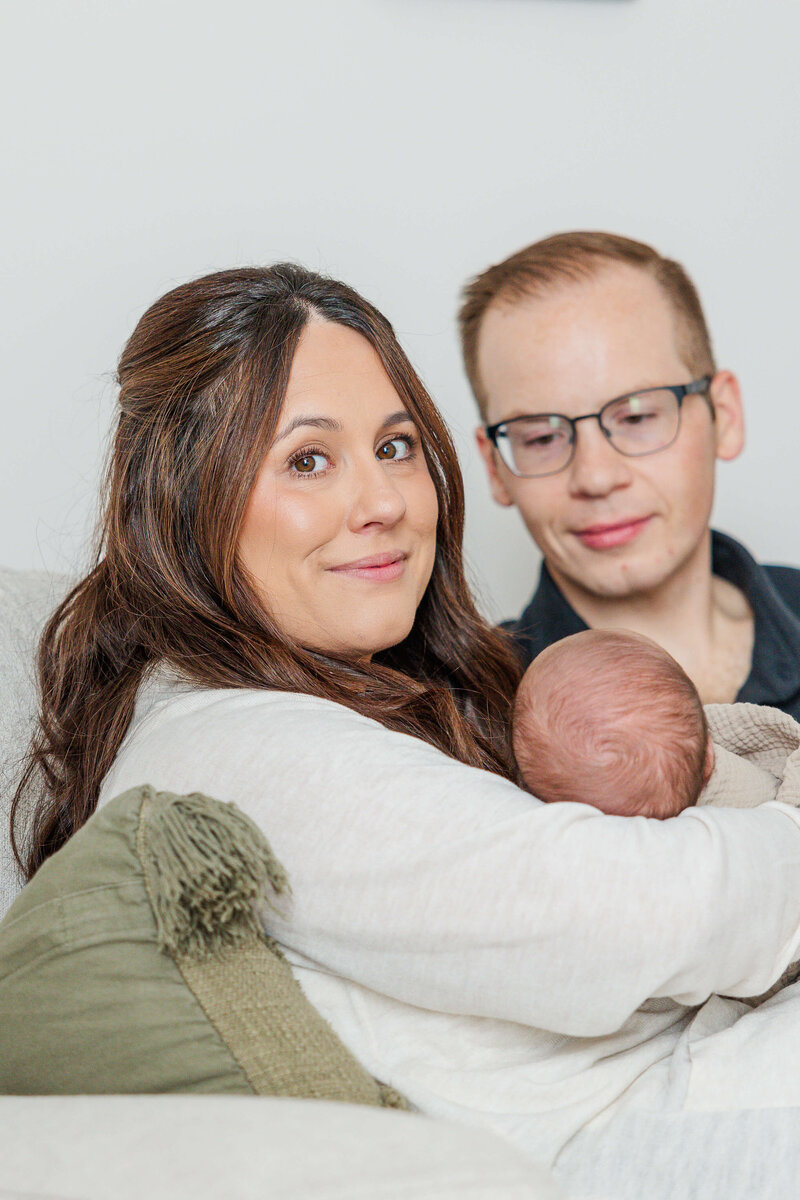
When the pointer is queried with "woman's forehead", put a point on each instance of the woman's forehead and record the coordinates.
(337, 374)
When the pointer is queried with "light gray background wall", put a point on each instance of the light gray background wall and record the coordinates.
(401, 144)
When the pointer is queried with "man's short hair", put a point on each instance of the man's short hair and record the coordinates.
(572, 258)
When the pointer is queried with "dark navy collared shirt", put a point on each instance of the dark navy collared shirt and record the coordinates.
(773, 594)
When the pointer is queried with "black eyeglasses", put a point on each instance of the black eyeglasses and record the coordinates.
(635, 424)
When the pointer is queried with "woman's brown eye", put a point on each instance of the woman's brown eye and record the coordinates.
(310, 464)
(397, 447)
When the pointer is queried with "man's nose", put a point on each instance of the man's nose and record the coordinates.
(376, 499)
(596, 468)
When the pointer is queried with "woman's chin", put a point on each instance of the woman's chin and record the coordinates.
(362, 646)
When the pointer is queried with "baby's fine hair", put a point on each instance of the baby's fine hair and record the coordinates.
(610, 718)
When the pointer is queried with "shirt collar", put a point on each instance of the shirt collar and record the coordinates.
(548, 618)
(775, 670)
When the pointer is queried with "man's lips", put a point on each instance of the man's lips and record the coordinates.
(381, 568)
(618, 533)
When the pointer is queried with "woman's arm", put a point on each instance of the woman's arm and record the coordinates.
(452, 889)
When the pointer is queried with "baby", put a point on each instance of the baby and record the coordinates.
(610, 719)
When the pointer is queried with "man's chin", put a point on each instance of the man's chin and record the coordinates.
(614, 581)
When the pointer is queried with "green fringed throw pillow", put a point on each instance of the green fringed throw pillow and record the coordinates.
(134, 961)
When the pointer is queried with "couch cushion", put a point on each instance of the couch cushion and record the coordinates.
(26, 600)
(135, 961)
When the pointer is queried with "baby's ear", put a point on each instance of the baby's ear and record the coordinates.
(710, 759)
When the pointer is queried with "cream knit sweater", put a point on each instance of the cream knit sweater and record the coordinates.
(533, 968)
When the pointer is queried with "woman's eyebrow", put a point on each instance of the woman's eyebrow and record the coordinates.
(401, 415)
(334, 426)
(317, 422)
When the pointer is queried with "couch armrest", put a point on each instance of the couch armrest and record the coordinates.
(245, 1148)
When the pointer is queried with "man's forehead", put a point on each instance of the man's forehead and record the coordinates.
(579, 343)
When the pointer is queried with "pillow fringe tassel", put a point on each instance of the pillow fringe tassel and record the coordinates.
(208, 869)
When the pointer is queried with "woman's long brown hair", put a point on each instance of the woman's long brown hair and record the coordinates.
(202, 382)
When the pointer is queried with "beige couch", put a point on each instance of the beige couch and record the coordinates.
(204, 1147)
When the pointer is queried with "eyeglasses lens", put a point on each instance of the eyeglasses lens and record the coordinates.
(537, 445)
(643, 423)
(640, 424)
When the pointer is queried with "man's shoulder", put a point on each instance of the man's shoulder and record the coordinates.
(547, 618)
(786, 581)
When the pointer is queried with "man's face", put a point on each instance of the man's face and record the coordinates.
(609, 525)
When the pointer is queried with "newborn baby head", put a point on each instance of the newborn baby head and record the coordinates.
(610, 719)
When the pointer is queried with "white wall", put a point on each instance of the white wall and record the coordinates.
(403, 145)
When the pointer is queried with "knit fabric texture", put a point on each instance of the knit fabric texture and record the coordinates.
(757, 752)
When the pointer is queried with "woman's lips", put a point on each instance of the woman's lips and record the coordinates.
(603, 537)
(380, 568)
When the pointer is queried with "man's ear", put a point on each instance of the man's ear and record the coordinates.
(489, 456)
(726, 397)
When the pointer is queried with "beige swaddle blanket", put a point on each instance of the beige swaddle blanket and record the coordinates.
(757, 756)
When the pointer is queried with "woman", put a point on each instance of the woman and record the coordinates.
(278, 617)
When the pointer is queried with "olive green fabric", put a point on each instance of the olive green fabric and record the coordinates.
(134, 962)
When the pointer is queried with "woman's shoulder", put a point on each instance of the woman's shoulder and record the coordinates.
(183, 735)
(169, 701)
(239, 743)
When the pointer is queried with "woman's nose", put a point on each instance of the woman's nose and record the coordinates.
(596, 468)
(376, 498)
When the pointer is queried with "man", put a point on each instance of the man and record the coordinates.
(604, 413)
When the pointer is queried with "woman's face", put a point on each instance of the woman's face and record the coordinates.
(339, 533)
